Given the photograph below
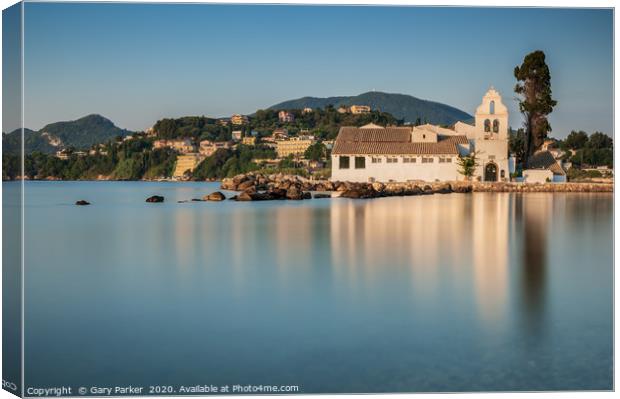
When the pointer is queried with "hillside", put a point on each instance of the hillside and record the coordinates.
(33, 141)
(84, 132)
(402, 106)
(80, 134)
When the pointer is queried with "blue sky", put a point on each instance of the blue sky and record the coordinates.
(136, 63)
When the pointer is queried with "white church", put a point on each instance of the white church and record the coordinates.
(374, 153)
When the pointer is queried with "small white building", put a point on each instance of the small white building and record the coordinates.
(427, 152)
(542, 167)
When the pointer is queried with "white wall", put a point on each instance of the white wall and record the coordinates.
(495, 151)
(397, 172)
(537, 175)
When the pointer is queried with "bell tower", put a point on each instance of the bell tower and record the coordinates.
(492, 117)
(491, 138)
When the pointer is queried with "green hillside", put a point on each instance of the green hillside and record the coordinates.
(402, 106)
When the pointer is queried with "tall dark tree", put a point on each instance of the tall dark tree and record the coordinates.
(516, 145)
(534, 87)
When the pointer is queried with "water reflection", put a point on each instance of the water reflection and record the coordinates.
(533, 216)
(454, 292)
(438, 243)
(490, 228)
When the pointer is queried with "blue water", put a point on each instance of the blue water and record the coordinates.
(459, 292)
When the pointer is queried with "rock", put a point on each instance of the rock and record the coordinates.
(341, 187)
(245, 185)
(285, 185)
(318, 196)
(239, 179)
(215, 196)
(82, 202)
(196, 200)
(461, 188)
(244, 196)
(155, 198)
(181, 201)
(277, 193)
(261, 197)
(306, 195)
(427, 189)
(293, 193)
(378, 186)
(361, 192)
(443, 188)
(228, 184)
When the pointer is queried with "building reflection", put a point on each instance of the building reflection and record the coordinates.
(490, 240)
(424, 239)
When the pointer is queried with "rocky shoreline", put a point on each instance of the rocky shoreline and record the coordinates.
(259, 187)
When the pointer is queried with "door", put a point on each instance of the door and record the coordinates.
(490, 172)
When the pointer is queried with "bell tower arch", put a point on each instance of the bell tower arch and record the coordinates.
(492, 117)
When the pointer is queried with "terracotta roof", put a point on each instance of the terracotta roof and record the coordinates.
(392, 140)
(545, 160)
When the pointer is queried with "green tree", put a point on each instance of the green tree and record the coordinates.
(516, 144)
(599, 141)
(468, 164)
(534, 87)
(576, 140)
(316, 152)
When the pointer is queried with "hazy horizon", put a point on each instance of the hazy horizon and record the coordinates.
(137, 63)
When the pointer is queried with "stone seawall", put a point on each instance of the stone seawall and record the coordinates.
(254, 187)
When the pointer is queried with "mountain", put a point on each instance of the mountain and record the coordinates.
(33, 141)
(84, 132)
(402, 106)
(80, 134)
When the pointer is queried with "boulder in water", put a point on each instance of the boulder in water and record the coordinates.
(155, 198)
(216, 196)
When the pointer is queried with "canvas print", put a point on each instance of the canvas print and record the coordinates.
(306, 199)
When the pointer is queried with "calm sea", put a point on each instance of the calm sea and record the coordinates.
(460, 292)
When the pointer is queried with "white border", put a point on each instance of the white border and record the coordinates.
(478, 3)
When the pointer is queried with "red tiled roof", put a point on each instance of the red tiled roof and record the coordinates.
(391, 140)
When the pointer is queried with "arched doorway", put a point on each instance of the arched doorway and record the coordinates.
(490, 172)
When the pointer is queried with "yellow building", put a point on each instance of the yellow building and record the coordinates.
(186, 163)
(294, 146)
(183, 146)
(249, 140)
(208, 148)
(360, 109)
(237, 119)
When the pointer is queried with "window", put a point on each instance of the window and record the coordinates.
(375, 160)
(449, 160)
(360, 162)
(442, 160)
(427, 160)
(495, 126)
(487, 125)
(502, 173)
(391, 160)
(423, 136)
(492, 108)
(409, 159)
(343, 163)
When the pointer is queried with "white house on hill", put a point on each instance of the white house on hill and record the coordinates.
(427, 152)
